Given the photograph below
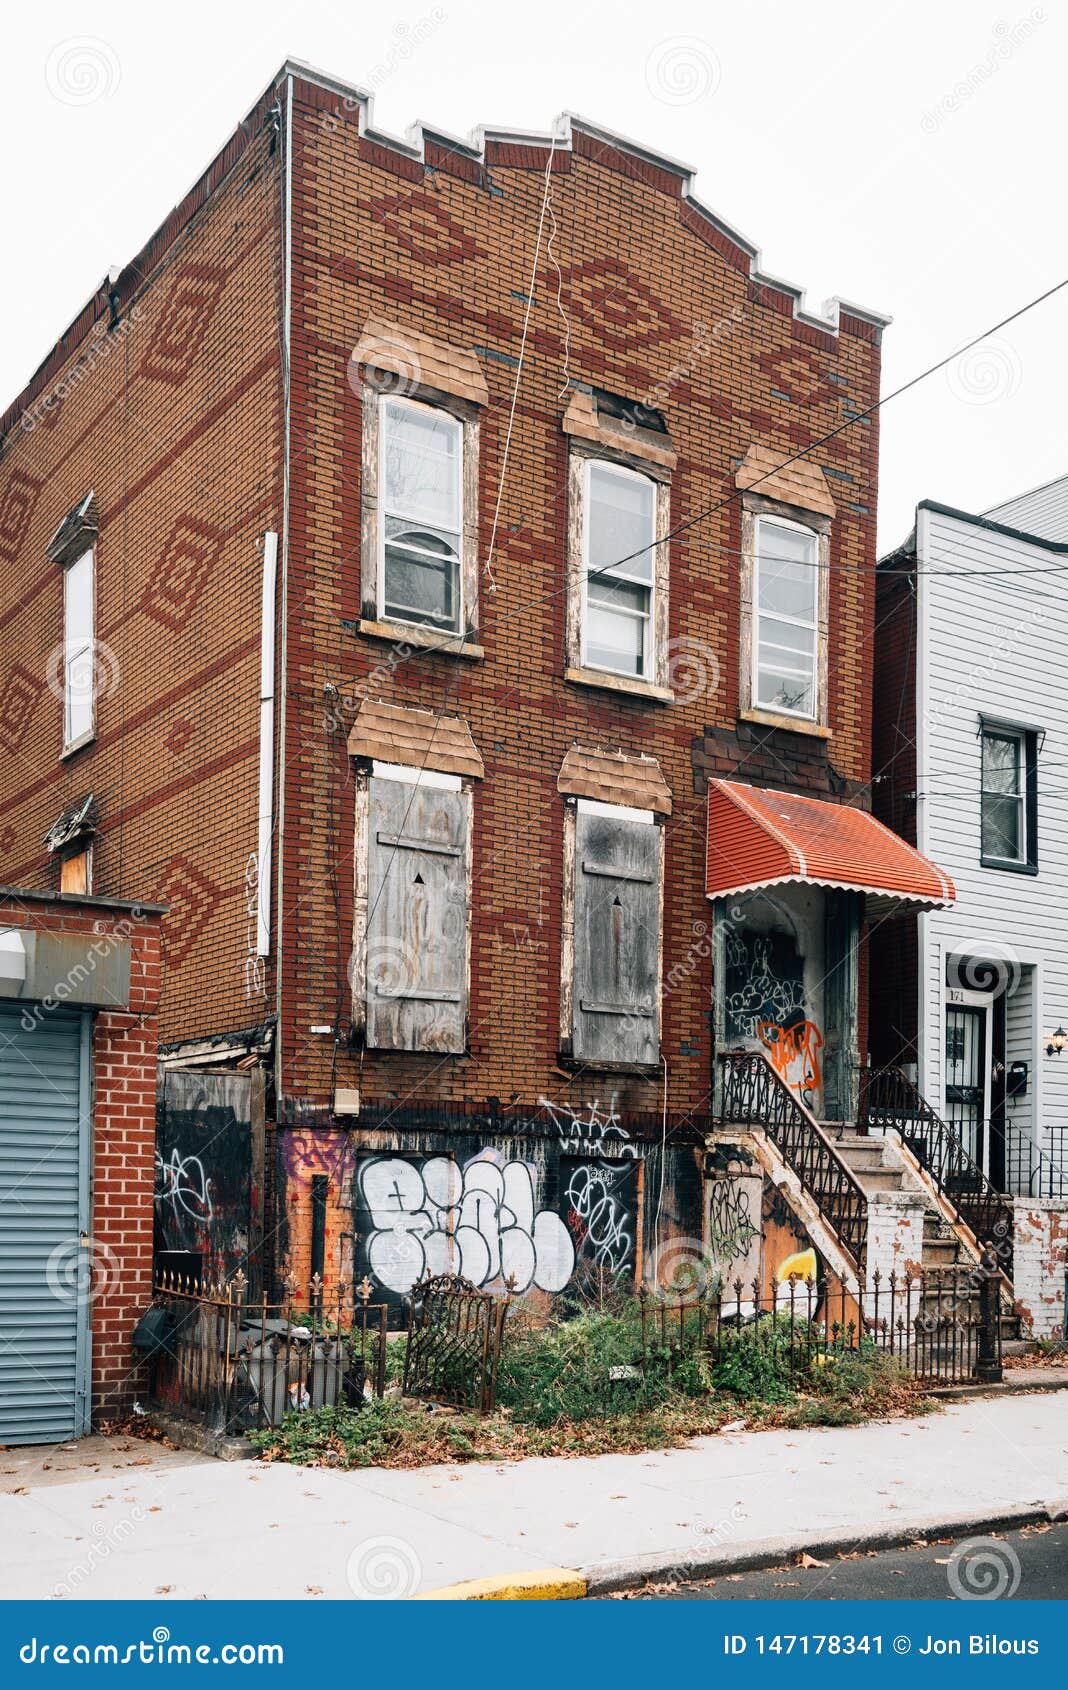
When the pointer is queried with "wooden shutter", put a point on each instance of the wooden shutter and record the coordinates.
(617, 940)
(416, 962)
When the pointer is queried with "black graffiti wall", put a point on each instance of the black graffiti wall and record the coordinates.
(204, 1195)
(545, 1201)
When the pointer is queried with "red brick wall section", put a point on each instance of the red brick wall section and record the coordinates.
(448, 252)
(172, 417)
(123, 1141)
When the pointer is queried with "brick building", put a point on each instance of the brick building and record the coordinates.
(79, 990)
(460, 516)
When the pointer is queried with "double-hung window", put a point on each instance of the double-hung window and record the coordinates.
(422, 515)
(1008, 803)
(786, 619)
(618, 570)
(78, 651)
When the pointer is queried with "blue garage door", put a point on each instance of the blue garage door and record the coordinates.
(45, 1257)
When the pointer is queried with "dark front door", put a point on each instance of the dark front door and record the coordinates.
(966, 1075)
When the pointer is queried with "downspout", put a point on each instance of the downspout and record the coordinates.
(924, 1006)
(266, 803)
(283, 602)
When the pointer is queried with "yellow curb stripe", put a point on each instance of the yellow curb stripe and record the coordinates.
(548, 1584)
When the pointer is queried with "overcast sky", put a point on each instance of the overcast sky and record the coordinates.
(909, 157)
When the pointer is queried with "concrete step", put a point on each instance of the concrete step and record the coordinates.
(859, 1156)
(871, 1180)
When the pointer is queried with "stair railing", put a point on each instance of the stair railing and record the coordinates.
(753, 1094)
(1029, 1170)
(888, 1099)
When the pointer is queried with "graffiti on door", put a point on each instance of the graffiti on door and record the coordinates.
(793, 1050)
(733, 1233)
(600, 1200)
(203, 1192)
(418, 1217)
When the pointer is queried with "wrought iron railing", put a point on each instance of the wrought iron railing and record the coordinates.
(937, 1325)
(241, 1363)
(754, 1095)
(888, 1099)
(455, 1333)
(1031, 1171)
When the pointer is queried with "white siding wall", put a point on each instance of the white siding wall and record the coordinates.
(1042, 511)
(999, 647)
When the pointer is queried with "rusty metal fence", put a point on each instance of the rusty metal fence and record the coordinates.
(943, 1327)
(240, 1364)
(455, 1334)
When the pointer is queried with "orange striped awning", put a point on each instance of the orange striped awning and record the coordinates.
(759, 838)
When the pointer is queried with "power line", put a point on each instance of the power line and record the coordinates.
(861, 416)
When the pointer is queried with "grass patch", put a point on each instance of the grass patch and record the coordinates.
(580, 1387)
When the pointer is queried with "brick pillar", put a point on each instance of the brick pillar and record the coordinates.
(895, 1236)
(1040, 1246)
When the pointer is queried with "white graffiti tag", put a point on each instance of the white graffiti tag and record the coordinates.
(478, 1221)
(590, 1131)
(182, 1182)
(606, 1222)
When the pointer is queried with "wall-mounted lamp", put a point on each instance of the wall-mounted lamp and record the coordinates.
(1057, 1041)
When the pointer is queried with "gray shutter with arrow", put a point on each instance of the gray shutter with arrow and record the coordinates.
(617, 940)
(416, 966)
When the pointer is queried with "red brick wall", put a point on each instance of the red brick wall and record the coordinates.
(123, 1139)
(173, 419)
(437, 250)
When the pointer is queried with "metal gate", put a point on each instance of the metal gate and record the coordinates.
(45, 1259)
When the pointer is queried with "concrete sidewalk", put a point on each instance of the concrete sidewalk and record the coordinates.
(205, 1528)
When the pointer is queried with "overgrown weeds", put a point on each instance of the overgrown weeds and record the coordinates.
(583, 1386)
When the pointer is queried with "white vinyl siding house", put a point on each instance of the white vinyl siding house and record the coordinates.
(991, 696)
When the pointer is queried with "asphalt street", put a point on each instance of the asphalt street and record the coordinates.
(1031, 1565)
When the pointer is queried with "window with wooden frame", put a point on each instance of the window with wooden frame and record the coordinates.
(419, 569)
(421, 499)
(412, 957)
(610, 1010)
(784, 616)
(617, 621)
(1009, 797)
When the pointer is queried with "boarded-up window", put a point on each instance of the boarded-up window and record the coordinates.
(617, 939)
(417, 917)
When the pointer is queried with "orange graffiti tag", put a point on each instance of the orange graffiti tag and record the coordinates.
(794, 1054)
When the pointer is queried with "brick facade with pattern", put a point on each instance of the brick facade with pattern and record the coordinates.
(180, 432)
(164, 400)
(446, 249)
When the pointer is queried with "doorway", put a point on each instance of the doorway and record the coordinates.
(968, 1070)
